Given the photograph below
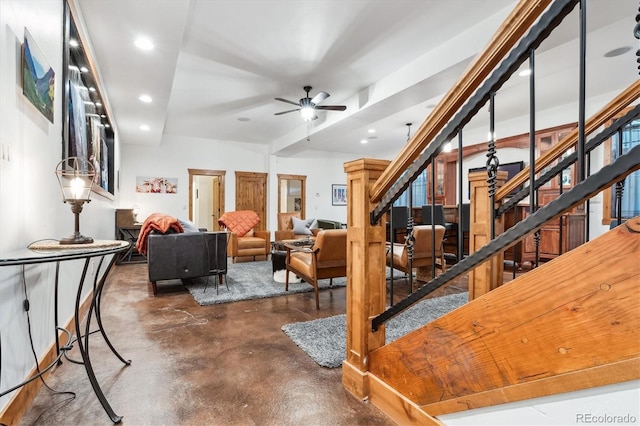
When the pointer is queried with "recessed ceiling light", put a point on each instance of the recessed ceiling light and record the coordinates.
(145, 98)
(363, 141)
(103, 116)
(524, 73)
(617, 52)
(84, 69)
(106, 125)
(74, 43)
(244, 119)
(144, 43)
(98, 104)
(447, 147)
(145, 128)
(92, 89)
(371, 130)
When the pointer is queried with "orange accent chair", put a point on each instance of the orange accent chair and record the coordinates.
(424, 255)
(327, 258)
(244, 240)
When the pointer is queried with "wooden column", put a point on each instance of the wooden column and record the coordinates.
(488, 275)
(366, 274)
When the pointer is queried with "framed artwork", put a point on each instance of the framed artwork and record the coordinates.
(86, 127)
(38, 78)
(156, 185)
(338, 195)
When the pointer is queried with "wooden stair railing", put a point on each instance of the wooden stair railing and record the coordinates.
(570, 324)
(510, 32)
(607, 113)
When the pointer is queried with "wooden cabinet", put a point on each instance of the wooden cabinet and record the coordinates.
(556, 237)
(440, 175)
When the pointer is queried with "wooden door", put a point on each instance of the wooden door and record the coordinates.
(251, 194)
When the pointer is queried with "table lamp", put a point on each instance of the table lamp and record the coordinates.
(75, 176)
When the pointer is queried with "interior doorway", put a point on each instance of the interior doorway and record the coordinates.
(206, 197)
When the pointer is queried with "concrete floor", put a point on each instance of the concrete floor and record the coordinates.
(226, 364)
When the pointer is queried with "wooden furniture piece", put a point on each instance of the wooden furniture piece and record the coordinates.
(424, 255)
(327, 258)
(128, 230)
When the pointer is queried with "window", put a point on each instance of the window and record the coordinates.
(630, 204)
(419, 187)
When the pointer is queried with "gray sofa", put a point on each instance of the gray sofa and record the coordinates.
(186, 255)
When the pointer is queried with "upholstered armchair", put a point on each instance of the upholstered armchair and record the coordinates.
(424, 256)
(244, 240)
(327, 258)
(292, 227)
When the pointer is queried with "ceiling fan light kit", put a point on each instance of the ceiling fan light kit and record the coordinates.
(309, 106)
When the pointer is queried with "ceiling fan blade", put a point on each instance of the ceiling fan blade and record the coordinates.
(284, 112)
(284, 100)
(321, 96)
(332, 107)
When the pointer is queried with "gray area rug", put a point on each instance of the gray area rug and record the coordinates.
(249, 280)
(325, 339)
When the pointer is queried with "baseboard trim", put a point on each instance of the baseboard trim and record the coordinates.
(23, 397)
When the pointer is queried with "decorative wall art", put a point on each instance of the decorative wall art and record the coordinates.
(156, 185)
(87, 130)
(38, 78)
(338, 195)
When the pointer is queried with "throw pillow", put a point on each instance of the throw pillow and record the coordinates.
(188, 226)
(301, 227)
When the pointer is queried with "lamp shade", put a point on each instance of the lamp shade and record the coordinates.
(307, 113)
(75, 176)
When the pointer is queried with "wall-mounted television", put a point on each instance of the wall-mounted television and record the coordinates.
(512, 169)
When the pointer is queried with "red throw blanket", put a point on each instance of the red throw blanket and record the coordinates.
(240, 222)
(156, 222)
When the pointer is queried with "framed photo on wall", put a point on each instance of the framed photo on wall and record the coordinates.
(338, 195)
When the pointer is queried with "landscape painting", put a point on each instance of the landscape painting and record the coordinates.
(38, 78)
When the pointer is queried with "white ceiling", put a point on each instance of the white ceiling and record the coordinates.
(216, 61)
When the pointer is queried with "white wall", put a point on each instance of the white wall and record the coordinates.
(176, 155)
(31, 205)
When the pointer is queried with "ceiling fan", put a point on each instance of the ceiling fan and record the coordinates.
(308, 106)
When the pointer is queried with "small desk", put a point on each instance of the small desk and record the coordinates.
(129, 233)
(51, 252)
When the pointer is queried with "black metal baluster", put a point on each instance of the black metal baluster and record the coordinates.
(492, 163)
(533, 193)
(460, 230)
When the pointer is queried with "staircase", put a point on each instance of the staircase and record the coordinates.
(572, 323)
(568, 325)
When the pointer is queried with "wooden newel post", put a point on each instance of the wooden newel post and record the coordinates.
(366, 274)
(488, 275)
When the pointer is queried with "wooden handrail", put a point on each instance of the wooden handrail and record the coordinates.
(608, 112)
(508, 35)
